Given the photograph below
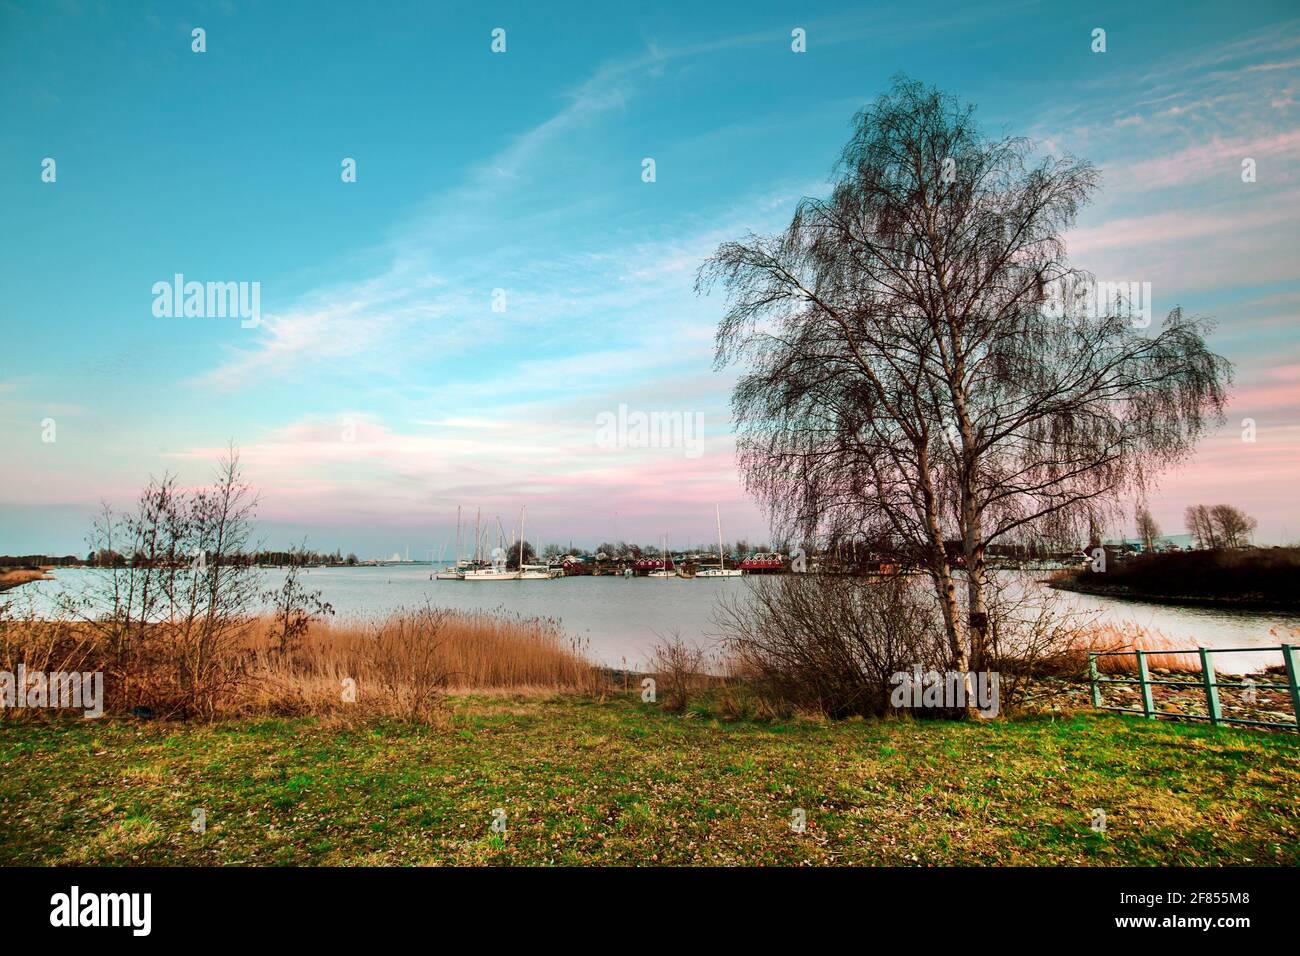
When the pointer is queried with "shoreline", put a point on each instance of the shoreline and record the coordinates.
(1121, 593)
(16, 577)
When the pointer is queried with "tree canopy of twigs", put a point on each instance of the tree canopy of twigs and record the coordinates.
(920, 364)
(172, 613)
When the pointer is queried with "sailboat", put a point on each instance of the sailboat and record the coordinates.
(526, 572)
(664, 572)
(497, 570)
(531, 572)
(457, 571)
(538, 572)
(721, 571)
(492, 572)
(482, 570)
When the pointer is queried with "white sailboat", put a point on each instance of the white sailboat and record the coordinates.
(664, 572)
(538, 572)
(457, 571)
(491, 574)
(497, 570)
(721, 571)
(533, 572)
(526, 572)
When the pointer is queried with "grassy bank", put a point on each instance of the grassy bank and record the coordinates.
(12, 577)
(621, 782)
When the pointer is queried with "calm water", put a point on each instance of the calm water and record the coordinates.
(622, 618)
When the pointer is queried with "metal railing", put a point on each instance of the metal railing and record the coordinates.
(1209, 683)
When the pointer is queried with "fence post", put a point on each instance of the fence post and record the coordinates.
(1092, 678)
(1148, 703)
(1289, 652)
(1211, 687)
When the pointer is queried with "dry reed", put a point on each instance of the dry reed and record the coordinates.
(1128, 637)
(400, 665)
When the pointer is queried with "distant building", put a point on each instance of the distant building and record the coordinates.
(1165, 542)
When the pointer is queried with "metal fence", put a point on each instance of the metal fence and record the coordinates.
(1210, 683)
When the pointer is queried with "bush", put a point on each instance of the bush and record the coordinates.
(830, 644)
(676, 666)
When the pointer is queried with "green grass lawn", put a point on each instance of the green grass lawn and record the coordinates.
(621, 782)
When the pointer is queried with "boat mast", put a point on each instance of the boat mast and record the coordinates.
(458, 537)
(521, 540)
(718, 511)
(478, 515)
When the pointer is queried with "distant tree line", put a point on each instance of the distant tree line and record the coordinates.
(1219, 526)
(109, 558)
(38, 561)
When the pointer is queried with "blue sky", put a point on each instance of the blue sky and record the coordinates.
(381, 389)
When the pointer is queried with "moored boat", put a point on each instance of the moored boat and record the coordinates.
(664, 567)
(721, 571)
(457, 571)
(538, 572)
(497, 571)
(491, 574)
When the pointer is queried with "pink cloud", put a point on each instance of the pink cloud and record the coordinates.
(1217, 159)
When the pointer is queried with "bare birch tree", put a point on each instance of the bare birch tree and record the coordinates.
(1147, 529)
(907, 372)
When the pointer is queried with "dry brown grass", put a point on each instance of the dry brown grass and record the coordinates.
(398, 660)
(12, 577)
(1130, 637)
(399, 665)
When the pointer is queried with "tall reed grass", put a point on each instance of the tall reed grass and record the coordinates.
(401, 664)
(1128, 637)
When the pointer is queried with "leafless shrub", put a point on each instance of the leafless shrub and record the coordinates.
(1032, 632)
(172, 617)
(406, 659)
(175, 598)
(293, 608)
(830, 644)
(677, 666)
